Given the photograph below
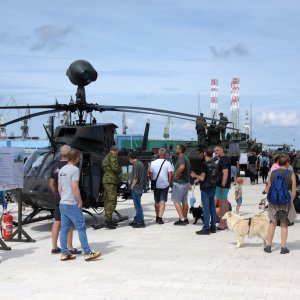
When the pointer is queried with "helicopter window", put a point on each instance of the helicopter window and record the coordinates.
(46, 169)
(67, 132)
(34, 163)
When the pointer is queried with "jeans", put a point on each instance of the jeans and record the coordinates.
(136, 197)
(209, 208)
(3, 201)
(71, 214)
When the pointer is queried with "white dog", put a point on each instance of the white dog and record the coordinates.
(254, 226)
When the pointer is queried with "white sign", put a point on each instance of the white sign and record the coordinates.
(11, 168)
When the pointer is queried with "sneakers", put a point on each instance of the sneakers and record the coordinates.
(284, 250)
(186, 221)
(203, 232)
(160, 221)
(157, 218)
(267, 249)
(92, 255)
(65, 257)
(75, 251)
(56, 251)
(181, 223)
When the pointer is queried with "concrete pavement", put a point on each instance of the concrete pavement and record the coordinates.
(157, 262)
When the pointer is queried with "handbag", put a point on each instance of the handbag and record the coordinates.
(153, 181)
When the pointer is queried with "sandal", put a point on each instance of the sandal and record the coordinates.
(65, 257)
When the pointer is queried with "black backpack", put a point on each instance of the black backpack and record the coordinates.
(211, 176)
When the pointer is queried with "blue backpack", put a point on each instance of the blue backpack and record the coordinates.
(279, 193)
(265, 161)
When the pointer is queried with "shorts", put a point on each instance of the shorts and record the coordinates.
(161, 194)
(57, 216)
(234, 171)
(282, 217)
(239, 201)
(221, 196)
(180, 192)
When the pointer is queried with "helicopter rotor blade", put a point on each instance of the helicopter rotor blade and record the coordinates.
(29, 117)
(143, 112)
(150, 109)
(53, 106)
(101, 109)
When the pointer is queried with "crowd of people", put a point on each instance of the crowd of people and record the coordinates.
(218, 172)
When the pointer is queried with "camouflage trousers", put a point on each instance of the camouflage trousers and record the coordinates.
(201, 138)
(110, 200)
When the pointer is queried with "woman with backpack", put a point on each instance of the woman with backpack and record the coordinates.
(264, 166)
(281, 190)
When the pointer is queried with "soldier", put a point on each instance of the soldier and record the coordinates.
(201, 129)
(223, 122)
(112, 172)
(213, 133)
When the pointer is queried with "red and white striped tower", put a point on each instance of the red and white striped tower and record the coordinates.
(247, 123)
(213, 97)
(235, 102)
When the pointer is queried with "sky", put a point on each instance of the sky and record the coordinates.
(157, 53)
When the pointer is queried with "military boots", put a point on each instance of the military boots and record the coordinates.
(110, 225)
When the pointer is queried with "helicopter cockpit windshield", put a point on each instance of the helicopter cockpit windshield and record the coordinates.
(34, 162)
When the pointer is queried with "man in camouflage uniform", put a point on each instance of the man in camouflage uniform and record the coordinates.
(112, 172)
(201, 129)
(223, 122)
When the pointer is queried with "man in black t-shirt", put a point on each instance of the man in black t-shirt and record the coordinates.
(53, 184)
(207, 180)
(223, 183)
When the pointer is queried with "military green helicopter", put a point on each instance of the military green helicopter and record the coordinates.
(91, 139)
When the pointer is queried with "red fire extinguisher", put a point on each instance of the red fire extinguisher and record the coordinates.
(7, 226)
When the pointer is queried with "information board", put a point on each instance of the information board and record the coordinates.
(11, 168)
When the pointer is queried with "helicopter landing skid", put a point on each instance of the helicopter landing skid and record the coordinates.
(96, 225)
(120, 217)
(31, 217)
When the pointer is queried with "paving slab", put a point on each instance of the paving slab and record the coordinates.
(156, 262)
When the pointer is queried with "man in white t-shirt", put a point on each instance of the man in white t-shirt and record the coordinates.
(164, 180)
(71, 208)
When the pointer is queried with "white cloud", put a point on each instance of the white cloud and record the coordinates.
(276, 119)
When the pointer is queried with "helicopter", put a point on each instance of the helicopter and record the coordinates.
(93, 140)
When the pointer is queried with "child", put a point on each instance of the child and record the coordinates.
(239, 193)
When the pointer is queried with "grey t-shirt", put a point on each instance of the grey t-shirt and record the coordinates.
(185, 176)
(66, 176)
(138, 172)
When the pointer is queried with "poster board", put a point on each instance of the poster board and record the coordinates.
(11, 168)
